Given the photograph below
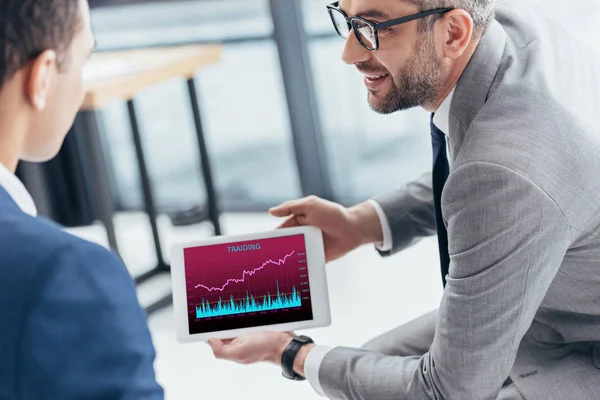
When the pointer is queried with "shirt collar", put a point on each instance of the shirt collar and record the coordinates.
(17, 191)
(441, 118)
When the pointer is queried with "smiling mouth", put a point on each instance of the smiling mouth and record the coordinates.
(375, 78)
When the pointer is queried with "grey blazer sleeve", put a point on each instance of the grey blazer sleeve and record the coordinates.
(410, 213)
(507, 241)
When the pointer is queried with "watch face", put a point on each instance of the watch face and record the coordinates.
(303, 339)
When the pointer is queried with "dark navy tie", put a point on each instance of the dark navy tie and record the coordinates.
(441, 170)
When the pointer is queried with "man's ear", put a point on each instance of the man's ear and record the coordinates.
(457, 26)
(41, 75)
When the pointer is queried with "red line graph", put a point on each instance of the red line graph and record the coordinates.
(246, 273)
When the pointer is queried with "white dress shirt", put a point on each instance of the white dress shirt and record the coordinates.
(17, 191)
(312, 364)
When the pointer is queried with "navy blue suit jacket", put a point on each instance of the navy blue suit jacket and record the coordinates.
(71, 326)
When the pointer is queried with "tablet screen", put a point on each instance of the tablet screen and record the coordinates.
(247, 284)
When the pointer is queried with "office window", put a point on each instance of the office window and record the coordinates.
(242, 99)
(244, 107)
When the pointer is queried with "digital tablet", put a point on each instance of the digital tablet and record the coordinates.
(226, 286)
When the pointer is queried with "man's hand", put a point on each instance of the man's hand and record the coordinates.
(344, 229)
(253, 347)
(259, 347)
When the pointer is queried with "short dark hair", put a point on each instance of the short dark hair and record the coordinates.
(482, 11)
(30, 27)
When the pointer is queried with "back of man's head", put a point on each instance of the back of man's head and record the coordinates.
(43, 47)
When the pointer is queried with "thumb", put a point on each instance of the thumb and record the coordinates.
(296, 207)
(291, 222)
(294, 221)
(216, 345)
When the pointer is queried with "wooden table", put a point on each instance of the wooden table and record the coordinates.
(120, 76)
(153, 66)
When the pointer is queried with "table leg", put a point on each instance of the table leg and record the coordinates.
(212, 201)
(101, 196)
(149, 203)
(148, 196)
(164, 302)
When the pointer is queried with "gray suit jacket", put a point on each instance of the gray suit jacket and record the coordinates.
(522, 209)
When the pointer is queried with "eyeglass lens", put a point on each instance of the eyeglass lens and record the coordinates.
(366, 34)
(340, 23)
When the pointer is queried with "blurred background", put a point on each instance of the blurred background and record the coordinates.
(283, 117)
(246, 112)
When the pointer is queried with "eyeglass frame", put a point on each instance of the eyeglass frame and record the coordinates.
(376, 27)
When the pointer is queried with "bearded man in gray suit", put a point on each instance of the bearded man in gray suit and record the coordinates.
(514, 198)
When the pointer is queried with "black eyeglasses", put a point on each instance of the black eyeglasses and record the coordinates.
(367, 31)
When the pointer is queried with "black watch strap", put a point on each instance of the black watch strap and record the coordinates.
(289, 355)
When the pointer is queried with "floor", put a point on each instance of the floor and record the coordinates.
(368, 295)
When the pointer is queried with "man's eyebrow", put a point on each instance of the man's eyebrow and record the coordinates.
(373, 14)
(370, 13)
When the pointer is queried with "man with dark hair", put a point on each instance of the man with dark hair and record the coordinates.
(513, 197)
(71, 326)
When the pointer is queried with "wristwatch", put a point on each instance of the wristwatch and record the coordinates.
(289, 355)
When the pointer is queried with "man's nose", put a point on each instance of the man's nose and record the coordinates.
(354, 52)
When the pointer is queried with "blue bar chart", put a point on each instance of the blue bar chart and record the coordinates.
(249, 304)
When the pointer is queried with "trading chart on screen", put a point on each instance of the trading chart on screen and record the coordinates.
(244, 284)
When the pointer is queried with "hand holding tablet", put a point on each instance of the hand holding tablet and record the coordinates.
(226, 286)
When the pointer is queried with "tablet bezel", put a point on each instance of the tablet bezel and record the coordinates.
(315, 260)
